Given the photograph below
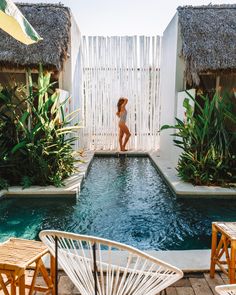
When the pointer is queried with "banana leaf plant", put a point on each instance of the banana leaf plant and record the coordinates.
(207, 138)
(36, 138)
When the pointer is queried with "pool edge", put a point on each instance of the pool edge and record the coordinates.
(71, 188)
(168, 173)
(189, 261)
(187, 190)
(165, 168)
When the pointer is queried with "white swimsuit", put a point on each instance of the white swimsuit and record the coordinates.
(123, 116)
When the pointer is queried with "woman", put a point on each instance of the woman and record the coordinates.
(124, 130)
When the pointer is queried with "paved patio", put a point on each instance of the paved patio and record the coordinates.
(191, 284)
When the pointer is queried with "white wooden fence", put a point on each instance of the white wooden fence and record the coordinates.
(115, 67)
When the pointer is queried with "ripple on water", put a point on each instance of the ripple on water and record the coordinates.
(123, 199)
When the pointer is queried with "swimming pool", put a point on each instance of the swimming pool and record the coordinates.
(123, 199)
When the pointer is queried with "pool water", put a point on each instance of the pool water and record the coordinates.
(123, 199)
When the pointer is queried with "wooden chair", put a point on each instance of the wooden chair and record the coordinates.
(223, 250)
(18, 255)
(226, 289)
(103, 267)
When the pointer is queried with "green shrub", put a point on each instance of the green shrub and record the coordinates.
(207, 138)
(36, 139)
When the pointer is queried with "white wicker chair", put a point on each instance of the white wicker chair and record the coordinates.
(103, 267)
(226, 289)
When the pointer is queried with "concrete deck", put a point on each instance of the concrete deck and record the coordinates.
(187, 260)
(71, 188)
(167, 170)
(196, 260)
(183, 189)
(169, 174)
(192, 284)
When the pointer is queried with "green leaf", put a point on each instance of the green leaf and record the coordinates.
(23, 118)
(20, 145)
(164, 127)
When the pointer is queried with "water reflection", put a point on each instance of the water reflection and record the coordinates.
(126, 200)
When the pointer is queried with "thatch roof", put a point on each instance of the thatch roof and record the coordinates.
(208, 39)
(53, 23)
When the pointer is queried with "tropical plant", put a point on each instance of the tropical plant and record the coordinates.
(36, 138)
(207, 138)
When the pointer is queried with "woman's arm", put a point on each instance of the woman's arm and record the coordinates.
(124, 103)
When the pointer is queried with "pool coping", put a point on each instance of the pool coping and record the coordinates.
(71, 188)
(187, 260)
(187, 190)
(169, 174)
(166, 169)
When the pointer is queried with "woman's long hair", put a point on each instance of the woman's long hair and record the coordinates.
(119, 104)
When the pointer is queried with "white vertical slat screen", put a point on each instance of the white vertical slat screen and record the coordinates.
(115, 67)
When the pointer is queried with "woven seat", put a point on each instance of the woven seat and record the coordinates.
(103, 267)
(226, 290)
(19, 253)
(16, 256)
(223, 250)
(229, 229)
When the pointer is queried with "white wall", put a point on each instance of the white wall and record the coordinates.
(70, 78)
(172, 81)
(76, 75)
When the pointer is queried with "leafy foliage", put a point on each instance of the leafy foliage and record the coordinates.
(207, 138)
(36, 138)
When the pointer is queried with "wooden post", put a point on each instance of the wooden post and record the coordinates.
(217, 89)
(218, 85)
(22, 285)
(13, 285)
(226, 251)
(29, 93)
(2, 285)
(213, 250)
(34, 278)
(232, 263)
(52, 272)
(45, 275)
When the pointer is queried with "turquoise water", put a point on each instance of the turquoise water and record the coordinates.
(123, 199)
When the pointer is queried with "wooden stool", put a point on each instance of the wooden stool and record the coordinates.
(18, 255)
(226, 246)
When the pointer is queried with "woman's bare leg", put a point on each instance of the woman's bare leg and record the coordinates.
(127, 136)
(126, 140)
(121, 135)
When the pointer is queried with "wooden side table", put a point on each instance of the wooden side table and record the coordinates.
(223, 250)
(18, 255)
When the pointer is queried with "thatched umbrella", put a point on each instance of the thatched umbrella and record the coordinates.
(15, 24)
